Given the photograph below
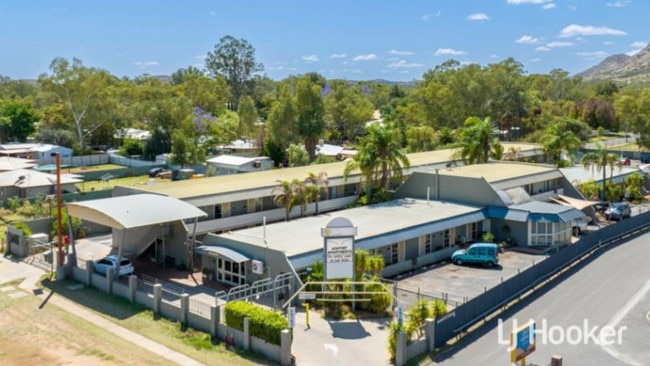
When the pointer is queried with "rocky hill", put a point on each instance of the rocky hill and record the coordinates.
(623, 69)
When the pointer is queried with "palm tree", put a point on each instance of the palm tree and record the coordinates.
(380, 158)
(559, 139)
(284, 195)
(317, 186)
(600, 159)
(478, 139)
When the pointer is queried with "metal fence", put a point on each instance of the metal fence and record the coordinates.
(407, 297)
(200, 308)
(466, 315)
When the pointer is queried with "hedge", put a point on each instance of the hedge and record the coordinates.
(264, 324)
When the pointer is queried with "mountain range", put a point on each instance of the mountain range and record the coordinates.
(622, 69)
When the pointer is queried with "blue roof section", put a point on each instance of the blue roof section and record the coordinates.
(307, 259)
(535, 211)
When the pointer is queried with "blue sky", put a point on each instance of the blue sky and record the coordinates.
(348, 39)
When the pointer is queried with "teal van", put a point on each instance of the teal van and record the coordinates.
(478, 253)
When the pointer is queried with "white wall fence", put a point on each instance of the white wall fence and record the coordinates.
(192, 312)
(98, 159)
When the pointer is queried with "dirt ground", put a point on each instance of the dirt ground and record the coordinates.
(33, 332)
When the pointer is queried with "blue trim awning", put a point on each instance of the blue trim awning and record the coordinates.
(535, 211)
(233, 255)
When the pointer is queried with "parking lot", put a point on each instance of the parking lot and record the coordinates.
(461, 283)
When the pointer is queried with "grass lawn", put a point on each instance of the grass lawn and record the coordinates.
(81, 169)
(195, 344)
(605, 138)
(111, 183)
(626, 147)
(35, 332)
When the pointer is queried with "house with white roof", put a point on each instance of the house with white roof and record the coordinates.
(26, 183)
(231, 164)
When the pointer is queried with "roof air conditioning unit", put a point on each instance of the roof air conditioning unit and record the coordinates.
(258, 267)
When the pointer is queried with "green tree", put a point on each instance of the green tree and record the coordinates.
(234, 59)
(17, 120)
(181, 75)
(247, 116)
(317, 186)
(284, 195)
(477, 138)
(346, 110)
(420, 138)
(131, 147)
(310, 112)
(560, 140)
(297, 155)
(599, 160)
(379, 159)
(634, 187)
(79, 88)
(282, 120)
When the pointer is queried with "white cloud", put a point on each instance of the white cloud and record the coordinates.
(548, 6)
(448, 51)
(520, 2)
(618, 4)
(559, 44)
(403, 64)
(608, 43)
(338, 55)
(200, 57)
(527, 39)
(368, 57)
(639, 44)
(494, 56)
(478, 16)
(310, 58)
(580, 30)
(401, 53)
(634, 52)
(426, 17)
(146, 63)
(592, 55)
(542, 49)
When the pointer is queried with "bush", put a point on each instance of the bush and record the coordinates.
(264, 324)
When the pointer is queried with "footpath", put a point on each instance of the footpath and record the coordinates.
(11, 270)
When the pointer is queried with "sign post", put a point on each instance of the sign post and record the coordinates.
(522, 342)
(292, 317)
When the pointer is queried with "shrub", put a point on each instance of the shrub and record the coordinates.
(264, 324)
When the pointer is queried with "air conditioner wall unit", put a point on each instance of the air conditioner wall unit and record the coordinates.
(258, 267)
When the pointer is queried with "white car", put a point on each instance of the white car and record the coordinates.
(580, 225)
(102, 265)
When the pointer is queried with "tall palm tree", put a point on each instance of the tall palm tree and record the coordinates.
(321, 185)
(379, 158)
(478, 139)
(600, 159)
(559, 139)
(284, 195)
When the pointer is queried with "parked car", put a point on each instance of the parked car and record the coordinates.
(478, 253)
(618, 211)
(102, 265)
(580, 225)
(155, 171)
(624, 161)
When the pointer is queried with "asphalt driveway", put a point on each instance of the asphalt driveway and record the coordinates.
(461, 283)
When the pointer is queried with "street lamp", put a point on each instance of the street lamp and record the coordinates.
(58, 209)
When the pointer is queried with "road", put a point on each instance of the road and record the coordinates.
(612, 290)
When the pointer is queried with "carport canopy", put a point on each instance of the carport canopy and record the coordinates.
(231, 254)
(573, 202)
(133, 211)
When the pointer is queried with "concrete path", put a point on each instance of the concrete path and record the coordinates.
(343, 342)
(11, 270)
